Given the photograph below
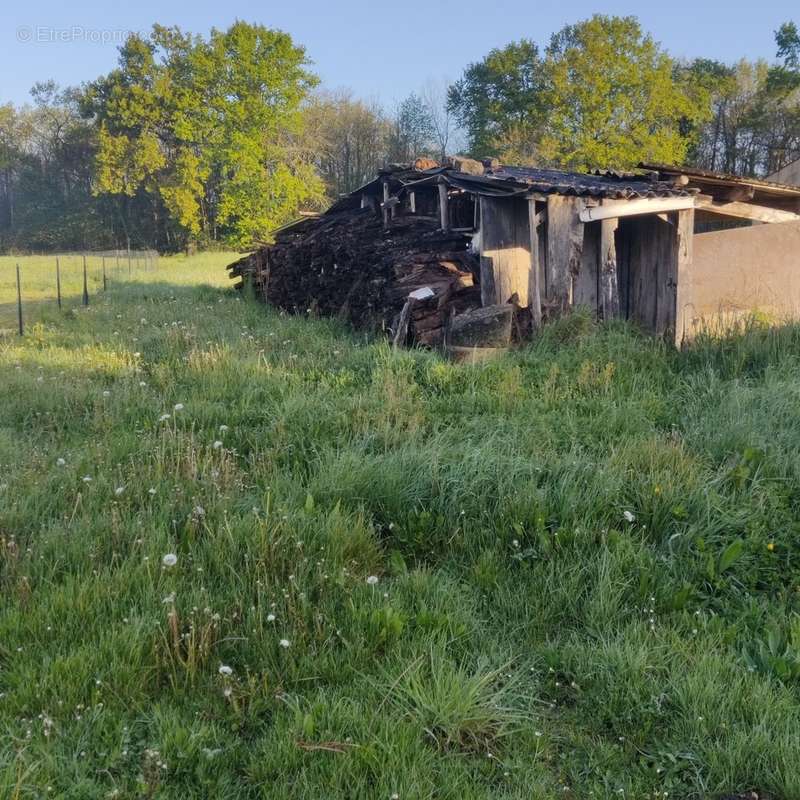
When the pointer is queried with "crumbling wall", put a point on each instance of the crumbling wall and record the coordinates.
(741, 271)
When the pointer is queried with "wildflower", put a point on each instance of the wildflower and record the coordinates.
(106, 393)
(628, 516)
(142, 383)
(178, 407)
(87, 478)
(169, 560)
(223, 428)
(151, 491)
(217, 444)
(224, 669)
(284, 643)
(270, 618)
(169, 599)
(119, 490)
(60, 462)
(372, 580)
(136, 355)
(163, 418)
(771, 546)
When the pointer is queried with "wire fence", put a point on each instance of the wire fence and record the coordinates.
(29, 284)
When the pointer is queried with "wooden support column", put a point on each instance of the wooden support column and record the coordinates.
(683, 275)
(412, 202)
(564, 248)
(385, 207)
(444, 215)
(609, 288)
(534, 280)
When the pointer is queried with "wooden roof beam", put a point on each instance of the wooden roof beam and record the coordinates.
(740, 210)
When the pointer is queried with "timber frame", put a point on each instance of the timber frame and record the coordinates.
(549, 240)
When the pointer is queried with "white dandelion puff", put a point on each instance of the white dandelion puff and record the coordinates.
(217, 444)
(224, 669)
(60, 462)
(169, 560)
(628, 516)
(372, 580)
(178, 407)
(284, 643)
(119, 490)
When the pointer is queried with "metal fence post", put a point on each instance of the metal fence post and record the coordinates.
(19, 302)
(85, 283)
(58, 283)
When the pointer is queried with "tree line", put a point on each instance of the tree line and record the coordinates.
(198, 141)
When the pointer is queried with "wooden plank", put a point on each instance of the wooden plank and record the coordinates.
(505, 250)
(749, 211)
(585, 283)
(444, 215)
(609, 290)
(534, 278)
(564, 248)
(683, 275)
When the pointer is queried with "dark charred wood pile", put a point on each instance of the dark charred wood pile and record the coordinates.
(409, 279)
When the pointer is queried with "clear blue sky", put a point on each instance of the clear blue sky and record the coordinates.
(381, 50)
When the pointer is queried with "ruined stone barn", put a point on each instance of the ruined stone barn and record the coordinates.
(475, 253)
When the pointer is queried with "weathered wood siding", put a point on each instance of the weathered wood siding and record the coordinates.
(505, 250)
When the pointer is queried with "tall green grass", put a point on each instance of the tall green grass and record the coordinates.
(569, 573)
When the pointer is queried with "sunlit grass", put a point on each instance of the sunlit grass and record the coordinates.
(570, 573)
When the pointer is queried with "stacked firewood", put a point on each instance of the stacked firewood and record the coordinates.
(408, 279)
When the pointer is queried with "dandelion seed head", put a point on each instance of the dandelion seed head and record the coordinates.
(169, 560)
(372, 580)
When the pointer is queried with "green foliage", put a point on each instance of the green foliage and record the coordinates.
(500, 100)
(206, 128)
(614, 97)
(604, 94)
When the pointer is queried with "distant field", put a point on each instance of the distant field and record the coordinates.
(245, 555)
(38, 278)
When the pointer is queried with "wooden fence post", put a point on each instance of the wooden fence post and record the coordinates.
(85, 283)
(58, 283)
(19, 302)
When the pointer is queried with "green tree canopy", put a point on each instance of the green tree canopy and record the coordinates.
(208, 130)
(603, 94)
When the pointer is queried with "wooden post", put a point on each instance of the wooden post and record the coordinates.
(85, 283)
(385, 207)
(58, 282)
(412, 202)
(684, 241)
(105, 284)
(129, 259)
(19, 302)
(444, 215)
(534, 281)
(609, 288)
(564, 248)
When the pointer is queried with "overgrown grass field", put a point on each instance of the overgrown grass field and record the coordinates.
(244, 555)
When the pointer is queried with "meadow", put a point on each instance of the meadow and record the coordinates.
(245, 555)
